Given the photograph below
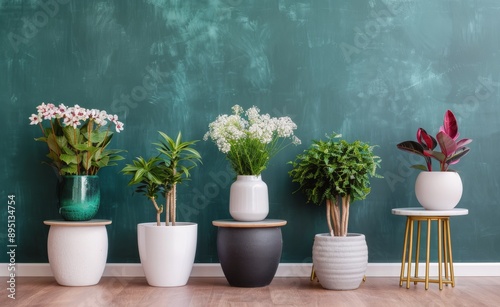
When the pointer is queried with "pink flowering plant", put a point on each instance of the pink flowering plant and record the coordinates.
(77, 138)
(249, 143)
(452, 148)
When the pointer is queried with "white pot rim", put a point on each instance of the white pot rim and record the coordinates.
(249, 177)
(177, 224)
(440, 172)
(349, 234)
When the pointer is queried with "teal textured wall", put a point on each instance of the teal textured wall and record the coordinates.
(371, 70)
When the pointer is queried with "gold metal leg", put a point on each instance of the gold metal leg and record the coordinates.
(417, 251)
(440, 245)
(428, 254)
(445, 256)
(408, 275)
(452, 274)
(445, 245)
(313, 273)
(403, 260)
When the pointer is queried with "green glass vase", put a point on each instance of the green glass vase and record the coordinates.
(79, 197)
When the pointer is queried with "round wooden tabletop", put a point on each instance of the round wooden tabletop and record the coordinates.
(77, 223)
(420, 211)
(258, 224)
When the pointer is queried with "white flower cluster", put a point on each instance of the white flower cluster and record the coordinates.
(228, 129)
(73, 116)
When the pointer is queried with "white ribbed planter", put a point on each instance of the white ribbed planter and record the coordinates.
(438, 190)
(340, 262)
(248, 199)
(167, 252)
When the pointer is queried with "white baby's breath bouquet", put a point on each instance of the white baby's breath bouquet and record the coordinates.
(250, 143)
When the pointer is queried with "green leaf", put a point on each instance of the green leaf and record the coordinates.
(69, 169)
(96, 136)
(68, 151)
(83, 147)
(69, 159)
(52, 143)
(41, 139)
(104, 161)
(61, 141)
(86, 161)
(72, 135)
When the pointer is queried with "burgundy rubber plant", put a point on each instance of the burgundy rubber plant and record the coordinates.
(452, 149)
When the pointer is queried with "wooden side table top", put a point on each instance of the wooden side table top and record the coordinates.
(420, 211)
(95, 222)
(258, 224)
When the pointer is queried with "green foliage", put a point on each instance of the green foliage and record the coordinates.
(79, 151)
(161, 174)
(179, 158)
(249, 156)
(148, 174)
(335, 168)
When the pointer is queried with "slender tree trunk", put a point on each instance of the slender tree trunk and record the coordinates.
(158, 211)
(173, 204)
(329, 215)
(345, 214)
(348, 207)
(167, 204)
(336, 221)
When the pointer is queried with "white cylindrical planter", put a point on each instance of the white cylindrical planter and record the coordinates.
(438, 190)
(77, 251)
(340, 262)
(248, 199)
(167, 252)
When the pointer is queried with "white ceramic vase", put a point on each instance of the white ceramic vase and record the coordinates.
(167, 252)
(340, 262)
(438, 190)
(248, 199)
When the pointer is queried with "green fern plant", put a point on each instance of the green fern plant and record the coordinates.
(335, 172)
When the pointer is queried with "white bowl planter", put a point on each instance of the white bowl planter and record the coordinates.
(167, 252)
(340, 262)
(438, 190)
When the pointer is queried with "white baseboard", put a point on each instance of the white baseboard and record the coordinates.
(284, 269)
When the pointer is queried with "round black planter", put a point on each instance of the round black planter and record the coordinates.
(249, 257)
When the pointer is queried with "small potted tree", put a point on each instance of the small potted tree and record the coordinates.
(441, 189)
(336, 172)
(167, 250)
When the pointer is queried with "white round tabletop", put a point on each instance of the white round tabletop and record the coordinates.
(258, 224)
(95, 222)
(420, 211)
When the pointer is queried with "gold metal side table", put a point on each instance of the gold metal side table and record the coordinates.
(419, 215)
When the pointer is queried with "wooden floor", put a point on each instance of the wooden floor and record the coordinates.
(112, 291)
